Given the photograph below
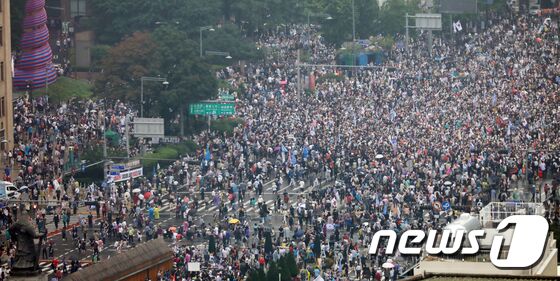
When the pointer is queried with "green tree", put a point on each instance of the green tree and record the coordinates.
(114, 19)
(17, 11)
(124, 65)
(272, 272)
(285, 11)
(190, 78)
(250, 14)
(392, 15)
(212, 244)
(164, 53)
(367, 14)
(267, 243)
(292, 265)
(261, 274)
(339, 29)
(98, 54)
(253, 276)
(229, 38)
(284, 269)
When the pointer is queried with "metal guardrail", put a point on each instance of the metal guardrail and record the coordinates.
(497, 211)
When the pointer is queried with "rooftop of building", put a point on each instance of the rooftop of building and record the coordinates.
(464, 277)
(138, 257)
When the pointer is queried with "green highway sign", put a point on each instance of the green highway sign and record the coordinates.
(212, 108)
(227, 97)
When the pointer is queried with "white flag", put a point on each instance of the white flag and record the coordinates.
(457, 26)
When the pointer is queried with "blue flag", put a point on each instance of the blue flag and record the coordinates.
(208, 153)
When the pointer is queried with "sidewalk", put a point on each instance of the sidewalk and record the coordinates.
(74, 221)
(525, 189)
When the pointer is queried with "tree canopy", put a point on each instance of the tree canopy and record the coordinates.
(125, 64)
(230, 39)
(272, 273)
(164, 53)
(115, 19)
(16, 17)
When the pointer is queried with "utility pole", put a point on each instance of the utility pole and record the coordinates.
(406, 26)
(142, 97)
(298, 73)
(353, 23)
(430, 42)
(144, 78)
(203, 28)
(200, 42)
(127, 135)
(353, 35)
(106, 167)
(182, 117)
(104, 141)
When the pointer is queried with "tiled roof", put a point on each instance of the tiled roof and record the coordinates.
(121, 264)
(481, 278)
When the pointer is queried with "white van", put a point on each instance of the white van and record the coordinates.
(8, 190)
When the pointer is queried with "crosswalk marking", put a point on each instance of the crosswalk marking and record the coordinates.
(167, 205)
(46, 267)
(246, 206)
(287, 186)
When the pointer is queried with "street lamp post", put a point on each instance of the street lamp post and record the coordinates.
(164, 22)
(144, 78)
(209, 28)
(353, 33)
(353, 23)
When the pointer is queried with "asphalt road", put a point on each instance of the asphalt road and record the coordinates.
(206, 211)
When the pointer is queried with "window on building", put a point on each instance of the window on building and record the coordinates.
(2, 71)
(1, 36)
(2, 107)
(77, 8)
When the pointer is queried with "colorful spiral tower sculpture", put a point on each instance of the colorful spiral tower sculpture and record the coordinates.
(34, 66)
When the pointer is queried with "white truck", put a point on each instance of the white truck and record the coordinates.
(8, 191)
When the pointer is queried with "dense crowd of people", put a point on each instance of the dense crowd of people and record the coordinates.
(49, 140)
(382, 147)
(475, 122)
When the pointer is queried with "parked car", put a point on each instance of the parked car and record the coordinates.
(8, 190)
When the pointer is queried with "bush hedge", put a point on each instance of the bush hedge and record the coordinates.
(225, 125)
(165, 154)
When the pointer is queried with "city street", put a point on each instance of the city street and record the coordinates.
(208, 212)
(275, 140)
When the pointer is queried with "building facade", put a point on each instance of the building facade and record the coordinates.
(489, 218)
(6, 106)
